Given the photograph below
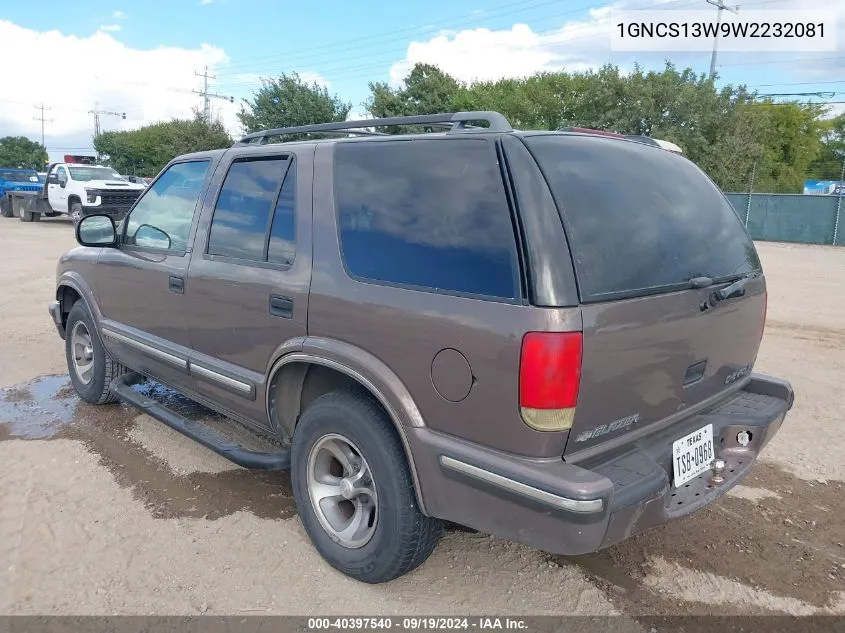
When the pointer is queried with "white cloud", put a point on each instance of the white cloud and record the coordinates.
(118, 15)
(205, 2)
(580, 44)
(310, 77)
(148, 85)
(113, 28)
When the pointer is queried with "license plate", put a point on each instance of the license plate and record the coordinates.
(692, 455)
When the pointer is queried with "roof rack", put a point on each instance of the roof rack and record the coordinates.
(453, 121)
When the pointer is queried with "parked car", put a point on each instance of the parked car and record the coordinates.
(13, 180)
(468, 325)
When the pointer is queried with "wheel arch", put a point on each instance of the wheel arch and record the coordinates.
(298, 378)
(71, 288)
(71, 199)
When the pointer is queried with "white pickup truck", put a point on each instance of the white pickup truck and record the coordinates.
(79, 189)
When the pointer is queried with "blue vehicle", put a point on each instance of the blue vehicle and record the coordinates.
(16, 180)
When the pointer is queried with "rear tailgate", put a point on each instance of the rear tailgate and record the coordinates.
(642, 222)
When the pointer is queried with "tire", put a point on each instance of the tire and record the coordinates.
(34, 217)
(76, 212)
(5, 207)
(401, 537)
(23, 215)
(92, 387)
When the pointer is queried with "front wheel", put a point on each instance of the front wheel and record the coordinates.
(76, 212)
(89, 365)
(354, 490)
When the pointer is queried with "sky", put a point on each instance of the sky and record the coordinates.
(144, 59)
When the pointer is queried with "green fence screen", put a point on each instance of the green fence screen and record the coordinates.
(790, 217)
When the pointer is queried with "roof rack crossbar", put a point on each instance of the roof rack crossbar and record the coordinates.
(453, 121)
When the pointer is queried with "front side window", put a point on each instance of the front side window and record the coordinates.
(61, 174)
(426, 213)
(162, 217)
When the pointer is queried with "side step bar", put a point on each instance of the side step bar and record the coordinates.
(197, 431)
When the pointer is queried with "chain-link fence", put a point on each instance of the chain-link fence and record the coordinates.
(785, 204)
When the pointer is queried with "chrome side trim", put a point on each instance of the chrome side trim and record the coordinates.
(304, 357)
(583, 506)
(181, 363)
(231, 383)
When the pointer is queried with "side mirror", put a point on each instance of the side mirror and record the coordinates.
(96, 230)
(63, 183)
(148, 236)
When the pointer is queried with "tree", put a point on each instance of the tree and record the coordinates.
(828, 166)
(426, 90)
(288, 101)
(146, 150)
(19, 151)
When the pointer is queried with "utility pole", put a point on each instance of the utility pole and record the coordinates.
(207, 96)
(721, 5)
(98, 113)
(41, 118)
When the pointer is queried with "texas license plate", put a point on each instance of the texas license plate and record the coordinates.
(692, 455)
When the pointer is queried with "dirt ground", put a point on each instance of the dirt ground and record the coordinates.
(105, 511)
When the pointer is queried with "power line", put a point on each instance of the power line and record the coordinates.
(340, 52)
(784, 61)
(392, 34)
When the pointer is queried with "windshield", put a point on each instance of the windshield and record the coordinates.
(640, 219)
(94, 173)
(18, 176)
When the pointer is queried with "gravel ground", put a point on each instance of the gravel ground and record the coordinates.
(105, 511)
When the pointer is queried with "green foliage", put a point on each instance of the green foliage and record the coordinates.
(288, 101)
(20, 152)
(828, 166)
(728, 132)
(146, 150)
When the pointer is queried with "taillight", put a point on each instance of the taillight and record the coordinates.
(549, 378)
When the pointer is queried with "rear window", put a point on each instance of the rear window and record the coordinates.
(431, 214)
(640, 219)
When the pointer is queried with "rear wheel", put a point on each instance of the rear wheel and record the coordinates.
(354, 490)
(90, 367)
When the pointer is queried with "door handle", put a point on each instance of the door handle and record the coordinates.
(177, 284)
(281, 306)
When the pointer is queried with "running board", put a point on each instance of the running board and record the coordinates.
(197, 431)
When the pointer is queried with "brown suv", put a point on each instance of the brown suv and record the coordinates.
(547, 336)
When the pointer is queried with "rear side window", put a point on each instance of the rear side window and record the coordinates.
(245, 207)
(640, 219)
(426, 213)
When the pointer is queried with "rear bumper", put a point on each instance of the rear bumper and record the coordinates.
(571, 509)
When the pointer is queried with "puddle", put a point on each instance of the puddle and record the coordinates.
(37, 409)
(47, 407)
(788, 543)
(175, 401)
